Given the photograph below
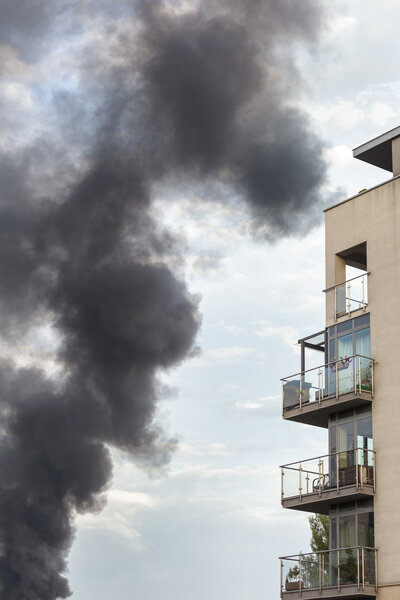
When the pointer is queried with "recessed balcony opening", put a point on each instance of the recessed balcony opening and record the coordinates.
(351, 287)
(342, 573)
(313, 484)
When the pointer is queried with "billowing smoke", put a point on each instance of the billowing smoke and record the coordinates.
(202, 90)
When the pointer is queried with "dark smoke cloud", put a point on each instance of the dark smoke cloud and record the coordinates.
(204, 94)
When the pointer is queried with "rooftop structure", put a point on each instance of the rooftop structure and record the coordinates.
(353, 394)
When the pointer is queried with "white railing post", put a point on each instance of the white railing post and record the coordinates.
(323, 475)
(356, 467)
(373, 466)
(337, 379)
(337, 472)
(372, 377)
(335, 292)
(319, 385)
(349, 297)
(300, 573)
(363, 292)
(301, 389)
(358, 569)
(320, 573)
(300, 481)
(355, 373)
(362, 567)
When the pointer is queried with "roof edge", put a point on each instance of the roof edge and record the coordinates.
(361, 193)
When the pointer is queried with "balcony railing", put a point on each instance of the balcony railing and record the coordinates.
(339, 570)
(328, 473)
(351, 374)
(350, 295)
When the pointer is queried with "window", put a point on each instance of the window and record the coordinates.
(353, 526)
(349, 338)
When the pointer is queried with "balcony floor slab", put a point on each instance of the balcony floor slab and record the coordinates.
(313, 413)
(350, 592)
(320, 503)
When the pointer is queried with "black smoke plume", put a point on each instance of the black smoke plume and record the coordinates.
(203, 91)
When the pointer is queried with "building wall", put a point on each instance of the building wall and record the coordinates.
(374, 217)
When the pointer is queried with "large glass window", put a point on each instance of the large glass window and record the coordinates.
(364, 441)
(347, 531)
(363, 342)
(349, 338)
(350, 444)
(355, 527)
(366, 530)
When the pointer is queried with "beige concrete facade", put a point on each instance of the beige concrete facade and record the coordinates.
(374, 217)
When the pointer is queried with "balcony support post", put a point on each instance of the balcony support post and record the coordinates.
(282, 474)
(358, 569)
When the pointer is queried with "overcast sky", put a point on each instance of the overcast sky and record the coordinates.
(208, 525)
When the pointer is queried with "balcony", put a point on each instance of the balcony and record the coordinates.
(314, 484)
(311, 396)
(343, 573)
(350, 295)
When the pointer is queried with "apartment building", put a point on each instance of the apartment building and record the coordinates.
(355, 395)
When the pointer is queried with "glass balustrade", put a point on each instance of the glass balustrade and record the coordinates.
(350, 295)
(329, 569)
(343, 376)
(329, 472)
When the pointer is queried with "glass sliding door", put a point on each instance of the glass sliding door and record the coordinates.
(345, 366)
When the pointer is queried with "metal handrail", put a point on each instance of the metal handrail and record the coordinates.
(328, 364)
(288, 465)
(325, 480)
(346, 281)
(312, 580)
(289, 556)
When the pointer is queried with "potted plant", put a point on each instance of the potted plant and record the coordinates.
(293, 579)
(342, 363)
(348, 568)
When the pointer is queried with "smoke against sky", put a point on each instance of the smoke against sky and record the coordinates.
(203, 91)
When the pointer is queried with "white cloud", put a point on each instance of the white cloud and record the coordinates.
(269, 406)
(229, 354)
(267, 329)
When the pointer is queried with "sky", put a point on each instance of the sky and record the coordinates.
(207, 523)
